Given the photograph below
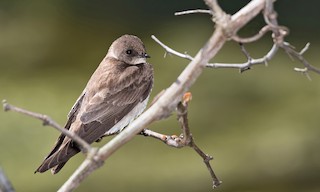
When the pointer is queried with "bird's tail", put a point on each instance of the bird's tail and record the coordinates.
(58, 159)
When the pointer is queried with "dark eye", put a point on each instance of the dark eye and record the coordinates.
(129, 51)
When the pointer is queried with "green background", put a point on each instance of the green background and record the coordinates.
(262, 126)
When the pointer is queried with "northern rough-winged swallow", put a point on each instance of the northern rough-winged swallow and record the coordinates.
(116, 93)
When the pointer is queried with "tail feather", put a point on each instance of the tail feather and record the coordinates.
(58, 159)
(57, 168)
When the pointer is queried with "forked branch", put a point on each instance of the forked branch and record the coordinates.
(185, 139)
(278, 35)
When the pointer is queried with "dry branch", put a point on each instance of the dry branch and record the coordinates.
(185, 139)
(85, 147)
(241, 66)
(5, 184)
(192, 12)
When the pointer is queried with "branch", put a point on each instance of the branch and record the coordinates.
(254, 38)
(242, 66)
(5, 184)
(192, 12)
(171, 51)
(299, 55)
(185, 139)
(278, 34)
(85, 147)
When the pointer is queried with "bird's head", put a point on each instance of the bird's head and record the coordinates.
(129, 49)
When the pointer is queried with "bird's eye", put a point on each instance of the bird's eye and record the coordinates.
(129, 51)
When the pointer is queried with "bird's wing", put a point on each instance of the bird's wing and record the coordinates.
(109, 109)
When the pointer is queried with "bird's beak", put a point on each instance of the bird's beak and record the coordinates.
(145, 55)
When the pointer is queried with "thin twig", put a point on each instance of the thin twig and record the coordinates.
(5, 184)
(254, 38)
(170, 140)
(171, 51)
(304, 49)
(182, 113)
(192, 12)
(185, 139)
(303, 71)
(85, 147)
(298, 55)
(206, 159)
(242, 66)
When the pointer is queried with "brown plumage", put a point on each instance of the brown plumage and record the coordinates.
(116, 93)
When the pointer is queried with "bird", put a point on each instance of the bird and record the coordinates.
(116, 94)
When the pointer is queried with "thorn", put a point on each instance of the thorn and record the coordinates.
(244, 69)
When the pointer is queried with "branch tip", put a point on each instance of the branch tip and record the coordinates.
(193, 11)
(305, 48)
(187, 97)
(216, 184)
(303, 71)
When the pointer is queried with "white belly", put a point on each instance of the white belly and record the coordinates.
(135, 112)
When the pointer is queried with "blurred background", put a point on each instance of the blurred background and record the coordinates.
(262, 126)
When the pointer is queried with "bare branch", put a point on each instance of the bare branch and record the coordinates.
(279, 32)
(171, 51)
(5, 184)
(192, 12)
(85, 147)
(170, 140)
(242, 66)
(254, 38)
(298, 55)
(91, 163)
(185, 139)
(304, 49)
(214, 6)
(303, 71)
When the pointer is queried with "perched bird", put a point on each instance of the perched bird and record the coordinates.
(117, 92)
